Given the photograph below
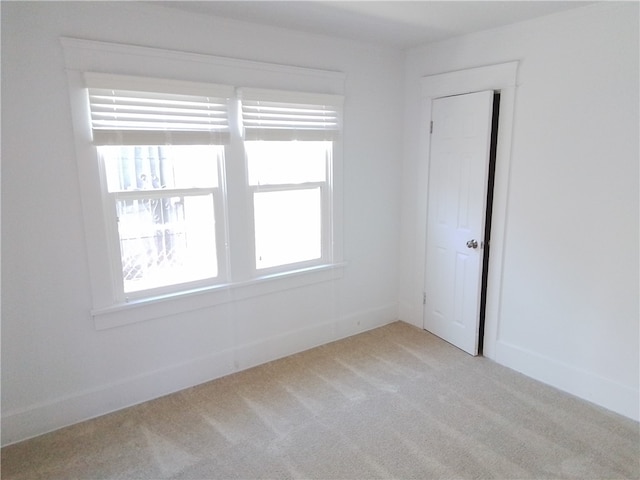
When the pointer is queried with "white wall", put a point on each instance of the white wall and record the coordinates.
(56, 367)
(568, 310)
(569, 306)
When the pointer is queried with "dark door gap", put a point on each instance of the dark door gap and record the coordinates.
(487, 225)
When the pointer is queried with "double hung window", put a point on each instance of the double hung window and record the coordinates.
(161, 147)
(289, 147)
(165, 214)
(170, 158)
(288, 184)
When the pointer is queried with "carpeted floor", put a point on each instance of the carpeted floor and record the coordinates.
(395, 402)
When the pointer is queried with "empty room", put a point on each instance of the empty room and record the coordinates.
(309, 239)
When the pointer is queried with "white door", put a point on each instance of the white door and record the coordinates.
(457, 196)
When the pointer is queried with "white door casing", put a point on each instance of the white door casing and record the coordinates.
(502, 78)
(457, 192)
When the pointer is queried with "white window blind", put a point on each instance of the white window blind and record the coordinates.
(280, 115)
(144, 111)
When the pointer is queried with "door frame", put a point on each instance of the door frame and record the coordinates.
(501, 78)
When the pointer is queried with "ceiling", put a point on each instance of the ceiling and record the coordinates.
(397, 24)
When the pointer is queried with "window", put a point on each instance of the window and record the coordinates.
(165, 199)
(289, 140)
(160, 145)
(288, 182)
(196, 193)
(171, 161)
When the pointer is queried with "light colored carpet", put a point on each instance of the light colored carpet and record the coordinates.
(395, 402)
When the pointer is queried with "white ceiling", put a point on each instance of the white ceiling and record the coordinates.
(398, 24)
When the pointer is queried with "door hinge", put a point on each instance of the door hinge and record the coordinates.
(431, 127)
(424, 298)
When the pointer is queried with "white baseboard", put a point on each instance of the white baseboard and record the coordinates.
(606, 393)
(24, 423)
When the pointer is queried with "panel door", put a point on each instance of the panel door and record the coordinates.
(458, 176)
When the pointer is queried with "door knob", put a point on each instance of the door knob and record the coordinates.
(472, 244)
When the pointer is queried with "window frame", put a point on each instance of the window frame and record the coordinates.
(113, 236)
(325, 215)
(326, 205)
(108, 310)
(293, 116)
(115, 97)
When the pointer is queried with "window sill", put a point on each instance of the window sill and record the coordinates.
(149, 308)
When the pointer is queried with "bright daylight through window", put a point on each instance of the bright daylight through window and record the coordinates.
(289, 184)
(164, 198)
(169, 171)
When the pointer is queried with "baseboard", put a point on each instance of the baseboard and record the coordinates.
(606, 393)
(22, 424)
(278, 346)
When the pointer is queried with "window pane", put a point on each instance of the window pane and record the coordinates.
(152, 167)
(287, 226)
(166, 241)
(273, 163)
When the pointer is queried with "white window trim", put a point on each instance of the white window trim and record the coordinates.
(138, 310)
(91, 56)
